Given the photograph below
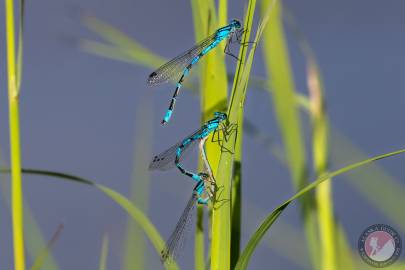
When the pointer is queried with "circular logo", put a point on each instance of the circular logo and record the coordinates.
(379, 245)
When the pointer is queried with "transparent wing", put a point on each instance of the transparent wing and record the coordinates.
(173, 69)
(165, 160)
(177, 238)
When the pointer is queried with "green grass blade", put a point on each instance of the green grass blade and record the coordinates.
(104, 253)
(221, 227)
(122, 48)
(20, 44)
(111, 52)
(204, 18)
(371, 181)
(320, 126)
(236, 208)
(241, 88)
(283, 95)
(17, 211)
(344, 253)
(281, 237)
(134, 212)
(270, 219)
(34, 241)
(40, 260)
(221, 217)
(222, 12)
(213, 96)
(135, 246)
(283, 92)
(343, 149)
(200, 23)
(124, 45)
(323, 194)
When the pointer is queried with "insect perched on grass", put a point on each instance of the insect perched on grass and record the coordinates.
(179, 67)
(177, 238)
(205, 188)
(174, 155)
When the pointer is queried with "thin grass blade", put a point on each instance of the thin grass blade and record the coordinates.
(104, 253)
(13, 73)
(221, 226)
(123, 44)
(270, 219)
(134, 212)
(136, 252)
(283, 95)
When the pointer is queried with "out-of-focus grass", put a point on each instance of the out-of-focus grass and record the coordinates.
(375, 177)
(270, 219)
(316, 107)
(371, 181)
(344, 254)
(104, 253)
(128, 49)
(289, 122)
(135, 246)
(14, 71)
(39, 262)
(135, 213)
(283, 92)
(34, 240)
(320, 146)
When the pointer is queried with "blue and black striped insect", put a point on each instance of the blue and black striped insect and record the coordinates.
(174, 155)
(179, 67)
(177, 238)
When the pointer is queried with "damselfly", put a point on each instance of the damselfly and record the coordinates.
(174, 155)
(179, 67)
(176, 239)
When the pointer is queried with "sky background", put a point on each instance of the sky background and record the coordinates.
(80, 114)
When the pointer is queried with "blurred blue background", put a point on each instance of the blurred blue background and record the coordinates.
(78, 115)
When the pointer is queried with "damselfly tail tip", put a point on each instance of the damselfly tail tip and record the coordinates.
(163, 122)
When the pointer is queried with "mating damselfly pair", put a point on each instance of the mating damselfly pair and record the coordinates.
(205, 187)
(177, 69)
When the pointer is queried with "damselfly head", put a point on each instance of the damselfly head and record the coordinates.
(236, 24)
(222, 116)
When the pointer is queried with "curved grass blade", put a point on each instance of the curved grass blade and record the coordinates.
(177, 238)
(34, 240)
(137, 215)
(270, 219)
(341, 149)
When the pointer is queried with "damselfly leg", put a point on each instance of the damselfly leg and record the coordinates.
(226, 132)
